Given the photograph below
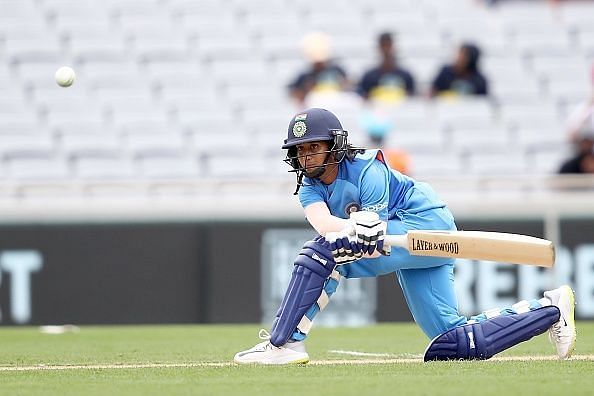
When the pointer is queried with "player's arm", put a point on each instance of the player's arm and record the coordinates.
(369, 225)
(345, 247)
(322, 220)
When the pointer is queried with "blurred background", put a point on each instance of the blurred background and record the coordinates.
(153, 189)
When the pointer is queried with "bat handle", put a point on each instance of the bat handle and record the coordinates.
(396, 240)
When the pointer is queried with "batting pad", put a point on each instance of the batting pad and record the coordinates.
(313, 266)
(482, 340)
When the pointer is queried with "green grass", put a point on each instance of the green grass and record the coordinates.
(188, 345)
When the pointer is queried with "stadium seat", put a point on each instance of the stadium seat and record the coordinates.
(473, 110)
(97, 69)
(511, 162)
(480, 139)
(88, 143)
(141, 144)
(232, 47)
(218, 165)
(60, 108)
(536, 138)
(539, 114)
(26, 145)
(104, 167)
(516, 90)
(417, 140)
(206, 141)
(435, 163)
(280, 47)
(169, 166)
(203, 114)
(586, 43)
(500, 68)
(75, 127)
(163, 47)
(40, 169)
(23, 49)
(424, 45)
(207, 23)
(569, 91)
(537, 44)
(14, 106)
(548, 160)
(98, 49)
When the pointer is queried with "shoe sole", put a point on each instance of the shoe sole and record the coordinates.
(571, 321)
(299, 361)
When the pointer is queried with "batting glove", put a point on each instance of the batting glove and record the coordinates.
(344, 247)
(370, 232)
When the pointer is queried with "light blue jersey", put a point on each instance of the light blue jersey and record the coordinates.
(367, 183)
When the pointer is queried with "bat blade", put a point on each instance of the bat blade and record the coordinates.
(478, 245)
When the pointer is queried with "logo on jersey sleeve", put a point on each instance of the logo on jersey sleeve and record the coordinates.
(351, 208)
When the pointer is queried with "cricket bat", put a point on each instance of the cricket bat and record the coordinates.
(478, 245)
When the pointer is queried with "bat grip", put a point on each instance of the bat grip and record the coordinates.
(396, 240)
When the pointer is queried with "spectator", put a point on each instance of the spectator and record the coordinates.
(581, 121)
(580, 129)
(386, 82)
(583, 160)
(463, 76)
(323, 74)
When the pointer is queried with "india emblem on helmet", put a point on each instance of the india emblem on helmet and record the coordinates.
(299, 129)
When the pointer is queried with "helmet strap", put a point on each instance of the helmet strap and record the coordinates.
(299, 182)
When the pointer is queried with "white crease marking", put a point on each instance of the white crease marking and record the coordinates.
(230, 364)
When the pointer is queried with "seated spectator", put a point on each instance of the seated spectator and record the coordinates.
(323, 75)
(583, 159)
(387, 82)
(463, 77)
(580, 130)
(580, 122)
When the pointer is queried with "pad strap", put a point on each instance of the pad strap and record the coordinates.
(482, 340)
(313, 266)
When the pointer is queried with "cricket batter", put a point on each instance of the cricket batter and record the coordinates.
(346, 190)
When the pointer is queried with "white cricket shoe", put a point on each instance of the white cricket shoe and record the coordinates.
(266, 353)
(563, 333)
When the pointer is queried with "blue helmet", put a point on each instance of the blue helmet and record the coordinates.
(314, 125)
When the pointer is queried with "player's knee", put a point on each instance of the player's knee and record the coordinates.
(317, 257)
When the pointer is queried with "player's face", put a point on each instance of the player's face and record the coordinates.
(311, 156)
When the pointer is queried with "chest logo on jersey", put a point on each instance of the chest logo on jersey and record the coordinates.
(351, 208)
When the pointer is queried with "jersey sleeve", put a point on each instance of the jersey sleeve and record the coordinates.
(375, 189)
(309, 194)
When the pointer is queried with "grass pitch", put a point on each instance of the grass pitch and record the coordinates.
(193, 359)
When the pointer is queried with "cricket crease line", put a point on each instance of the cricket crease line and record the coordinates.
(357, 353)
(229, 364)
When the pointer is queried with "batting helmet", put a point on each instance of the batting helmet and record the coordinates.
(314, 125)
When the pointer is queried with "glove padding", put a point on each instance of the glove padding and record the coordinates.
(370, 232)
(364, 235)
(344, 246)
